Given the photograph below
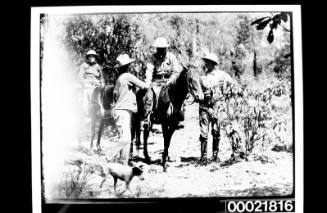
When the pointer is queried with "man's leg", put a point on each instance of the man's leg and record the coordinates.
(204, 129)
(91, 111)
(157, 88)
(215, 140)
(85, 100)
(123, 122)
(126, 135)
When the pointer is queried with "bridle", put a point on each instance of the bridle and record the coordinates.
(190, 86)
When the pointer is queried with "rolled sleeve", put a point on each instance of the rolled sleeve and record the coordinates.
(175, 67)
(137, 82)
(101, 77)
(149, 72)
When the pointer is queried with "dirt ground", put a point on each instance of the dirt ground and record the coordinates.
(185, 178)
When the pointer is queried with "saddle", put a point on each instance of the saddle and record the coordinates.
(158, 106)
(163, 102)
(146, 102)
(166, 108)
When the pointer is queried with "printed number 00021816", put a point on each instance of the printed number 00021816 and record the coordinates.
(259, 206)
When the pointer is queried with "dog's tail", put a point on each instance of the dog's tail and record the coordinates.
(103, 180)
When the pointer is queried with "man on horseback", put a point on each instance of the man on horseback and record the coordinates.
(162, 68)
(212, 79)
(91, 77)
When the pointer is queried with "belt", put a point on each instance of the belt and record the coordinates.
(162, 77)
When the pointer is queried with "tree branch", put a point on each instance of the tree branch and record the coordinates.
(285, 29)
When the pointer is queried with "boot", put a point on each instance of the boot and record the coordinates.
(215, 150)
(130, 154)
(203, 159)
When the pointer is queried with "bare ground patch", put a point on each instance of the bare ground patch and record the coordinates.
(264, 174)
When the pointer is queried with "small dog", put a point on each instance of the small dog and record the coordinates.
(122, 172)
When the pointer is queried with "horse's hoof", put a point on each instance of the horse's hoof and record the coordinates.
(165, 166)
(99, 151)
(215, 160)
(202, 162)
(169, 159)
(147, 160)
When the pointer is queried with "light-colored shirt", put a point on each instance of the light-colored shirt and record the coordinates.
(91, 74)
(215, 78)
(167, 67)
(124, 92)
(214, 82)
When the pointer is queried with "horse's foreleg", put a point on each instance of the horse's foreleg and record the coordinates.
(133, 130)
(93, 121)
(146, 130)
(136, 132)
(138, 136)
(100, 130)
(167, 133)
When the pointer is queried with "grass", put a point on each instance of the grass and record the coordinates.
(75, 181)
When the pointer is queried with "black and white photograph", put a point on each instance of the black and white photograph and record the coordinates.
(166, 102)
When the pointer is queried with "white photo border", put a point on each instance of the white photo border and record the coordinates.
(35, 76)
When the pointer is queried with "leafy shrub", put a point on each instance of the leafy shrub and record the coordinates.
(109, 36)
(249, 117)
(230, 36)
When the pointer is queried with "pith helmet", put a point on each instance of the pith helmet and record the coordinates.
(211, 57)
(91, 52)
(123, 59)
(161, 43)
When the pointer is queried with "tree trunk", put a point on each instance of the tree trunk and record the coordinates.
(195, 37)
(255, 71)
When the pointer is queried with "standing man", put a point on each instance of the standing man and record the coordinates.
(90, 75)
(162, 67)
(212, 79)
(125, 102)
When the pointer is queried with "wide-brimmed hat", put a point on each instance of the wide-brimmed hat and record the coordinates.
(122, 60)
(91, 52)
(211, 57)
(161, 43)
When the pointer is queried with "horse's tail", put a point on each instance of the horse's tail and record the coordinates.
(94, 105)
(107, 96)
(95, 94)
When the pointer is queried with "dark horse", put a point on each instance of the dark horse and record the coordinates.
(100, 110)
(167, 111)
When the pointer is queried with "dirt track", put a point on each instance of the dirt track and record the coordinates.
(184, 178)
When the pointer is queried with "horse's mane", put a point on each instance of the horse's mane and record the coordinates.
(181, 74)
(175, 90)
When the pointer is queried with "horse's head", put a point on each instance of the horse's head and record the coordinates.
(194, 84)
